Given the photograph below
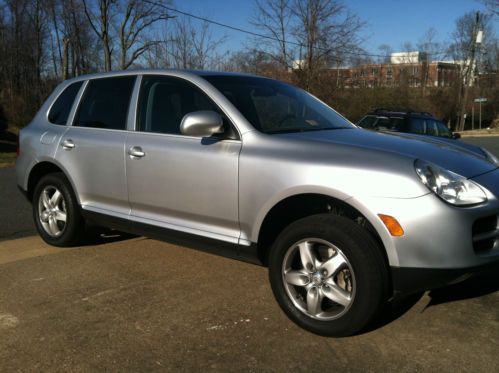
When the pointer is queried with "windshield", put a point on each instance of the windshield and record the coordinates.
(275, 107)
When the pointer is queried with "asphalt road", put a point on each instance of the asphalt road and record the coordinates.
(145, 305)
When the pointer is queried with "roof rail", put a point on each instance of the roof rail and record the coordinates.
(403, 110)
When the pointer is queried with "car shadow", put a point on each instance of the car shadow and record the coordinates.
(95, 236)
(392, 311)
(476, 286)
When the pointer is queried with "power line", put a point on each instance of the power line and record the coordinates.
(224, 25)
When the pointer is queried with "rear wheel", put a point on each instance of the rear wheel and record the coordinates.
(56, 211)
(328, 275)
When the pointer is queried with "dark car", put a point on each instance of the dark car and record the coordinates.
(420, 123)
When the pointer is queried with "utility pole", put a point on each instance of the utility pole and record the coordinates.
(468, 76)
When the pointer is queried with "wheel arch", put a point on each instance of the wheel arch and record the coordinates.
(42, 168)
(297, 206)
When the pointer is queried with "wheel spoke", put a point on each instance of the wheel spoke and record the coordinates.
(60, 216)
(307, 256)
(45, 200)
(297, 278)
(314, 299)
(54, 229)
(333, 264)
(56, 198)
(337, 295)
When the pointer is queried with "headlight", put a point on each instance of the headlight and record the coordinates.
(452, 188)
(491, 157)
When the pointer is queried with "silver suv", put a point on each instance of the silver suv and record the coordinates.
(262, 171)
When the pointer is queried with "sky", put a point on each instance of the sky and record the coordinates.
(391, 22)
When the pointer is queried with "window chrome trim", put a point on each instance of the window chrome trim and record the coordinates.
(76, 103)
(82, 93)
(195, 84)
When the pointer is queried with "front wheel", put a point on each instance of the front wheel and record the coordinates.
(56, 211)
(328, 275)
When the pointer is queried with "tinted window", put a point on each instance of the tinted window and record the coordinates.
(396, 124)
(367, 121)
(443, 131)
(382, 124)
(59, 111)
(389, 124)
(431, 128)
(417, 126)
(105, 103)
(165, 100)
(272, 106)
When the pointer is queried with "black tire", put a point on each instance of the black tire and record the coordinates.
(72, 231)
(364, 275)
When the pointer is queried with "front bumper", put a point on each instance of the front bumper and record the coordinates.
(411, 280)
(442, 243)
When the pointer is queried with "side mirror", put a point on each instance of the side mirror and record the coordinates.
(456, 135)
(201, 124)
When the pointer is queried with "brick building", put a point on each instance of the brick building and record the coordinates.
(412, 74)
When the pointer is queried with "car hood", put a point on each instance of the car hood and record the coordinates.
(466, 160)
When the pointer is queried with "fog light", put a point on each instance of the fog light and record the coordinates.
(392, 225)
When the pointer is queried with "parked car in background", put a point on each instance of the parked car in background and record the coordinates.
(420, 123)
(262, 171)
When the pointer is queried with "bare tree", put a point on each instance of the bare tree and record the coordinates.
(100, 21)
(386, 51)
(185, 45)
(326, 30)
(465, 49)
(307, 35)
(274, 18)
(430, 48)
(492, 5)
(137, 17)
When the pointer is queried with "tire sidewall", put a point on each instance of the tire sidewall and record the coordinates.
(369, 280)
(74, 222)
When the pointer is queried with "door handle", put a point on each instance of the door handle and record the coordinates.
(68, 144)
(136, 152)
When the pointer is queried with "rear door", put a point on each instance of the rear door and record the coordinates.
(181, 182)
(92, 149)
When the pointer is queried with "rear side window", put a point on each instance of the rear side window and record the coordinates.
(59, 111)
(105, 103)
(431, 128)
(417, 126)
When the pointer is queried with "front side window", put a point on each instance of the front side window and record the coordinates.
(61, 108)
(396, 124)
(105, 103)
(383, 124)
(367, 122)
(272, 106)
(165, 100)
(443, 131)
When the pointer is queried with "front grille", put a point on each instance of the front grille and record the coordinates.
(485, 234)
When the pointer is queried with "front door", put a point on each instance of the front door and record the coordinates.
(180, 182)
